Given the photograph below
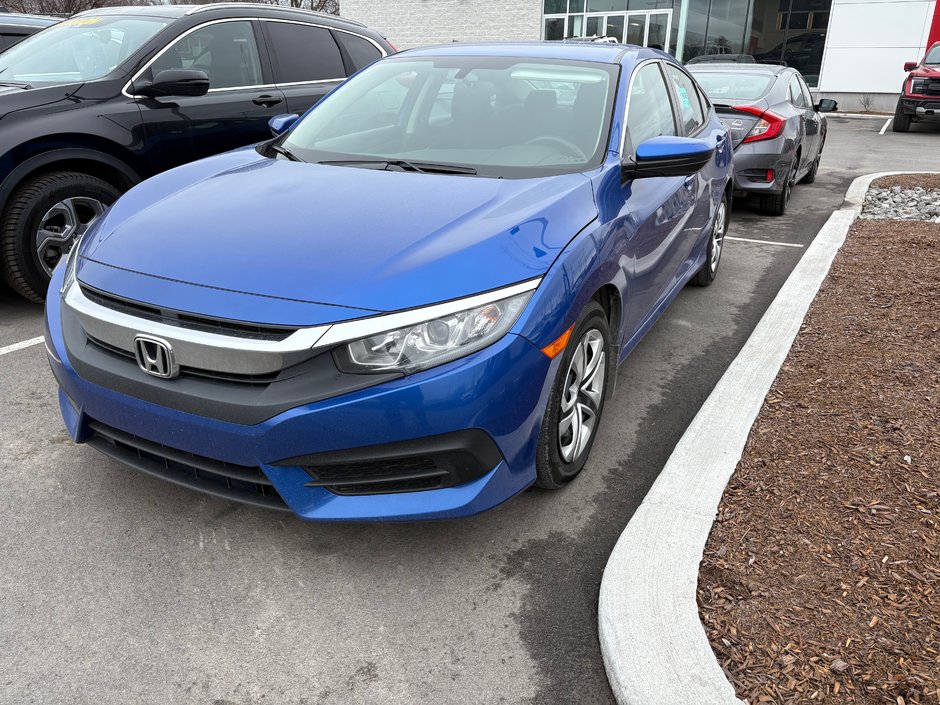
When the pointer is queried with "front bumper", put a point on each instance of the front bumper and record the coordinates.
(498, 393)
(923, 108)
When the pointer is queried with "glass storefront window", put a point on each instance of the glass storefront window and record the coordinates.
(555, 28)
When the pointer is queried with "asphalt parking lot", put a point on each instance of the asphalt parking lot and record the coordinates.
(119, 588)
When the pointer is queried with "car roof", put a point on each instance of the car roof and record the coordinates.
(13, 19)
(238, 8)
(735, 67)
(572, 51)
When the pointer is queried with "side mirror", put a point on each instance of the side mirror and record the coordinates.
(174, 82)
(910, 66)
(280, 124)
(668, 156)
(826, 105)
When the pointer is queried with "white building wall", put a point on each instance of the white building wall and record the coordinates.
(868, 42)
(412, 23)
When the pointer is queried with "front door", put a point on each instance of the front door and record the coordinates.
(235, 111)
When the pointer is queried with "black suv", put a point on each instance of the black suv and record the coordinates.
(101, 101)
(15, 27)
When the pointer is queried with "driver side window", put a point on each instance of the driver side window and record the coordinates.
(649, 110)
(226, 51)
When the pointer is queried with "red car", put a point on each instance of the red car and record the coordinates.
(920, 95)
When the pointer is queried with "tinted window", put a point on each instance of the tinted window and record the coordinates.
(807, 96)
(649, 111)
(796, 93)
(690, 110)
(305, 53)
(226, 51)
(8, 40)
(722, 86)
(361, 51)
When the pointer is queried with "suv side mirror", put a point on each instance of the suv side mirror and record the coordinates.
(910, 66)
(668, 156)
(280, 124)
(175, 82)
(826, 105)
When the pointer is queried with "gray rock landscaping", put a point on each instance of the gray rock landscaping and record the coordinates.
(897, 203)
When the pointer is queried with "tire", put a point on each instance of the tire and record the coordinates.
(776, 203)
(560, 456)
(709, 270)
(811, 174)
(66, 203)
(902, 122)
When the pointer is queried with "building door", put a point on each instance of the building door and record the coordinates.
(648, 29)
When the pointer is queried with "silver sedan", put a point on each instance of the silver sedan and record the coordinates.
(777, 132)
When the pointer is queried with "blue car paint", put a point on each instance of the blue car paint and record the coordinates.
(640, 239)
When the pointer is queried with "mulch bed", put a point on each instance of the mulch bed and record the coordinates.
(927, 181)
(821, 577)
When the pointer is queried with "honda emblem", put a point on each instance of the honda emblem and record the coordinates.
(155, 357)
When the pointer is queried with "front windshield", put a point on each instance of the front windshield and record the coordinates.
(933, 56)
(79, 49)
(496, 116)
(722, 87)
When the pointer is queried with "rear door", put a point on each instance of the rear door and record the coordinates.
(814, 123)
(307, 61)
(235, 111)
(809, 120)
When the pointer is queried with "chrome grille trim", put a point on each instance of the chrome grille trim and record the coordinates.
(194, 348)
(203, 350)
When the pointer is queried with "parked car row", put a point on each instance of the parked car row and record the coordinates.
(408, 303)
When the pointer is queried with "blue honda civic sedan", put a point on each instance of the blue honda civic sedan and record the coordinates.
(411, 303)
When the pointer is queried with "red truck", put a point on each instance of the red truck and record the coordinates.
(920, 95)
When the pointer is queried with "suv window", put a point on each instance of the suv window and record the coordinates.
(649, 109)
(361, 51)
(796, 93)
(691, 116)
(226, 51)
(305, 53)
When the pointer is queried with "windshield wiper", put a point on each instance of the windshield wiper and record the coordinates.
(284, 152)
(420, 167)
(16, 84)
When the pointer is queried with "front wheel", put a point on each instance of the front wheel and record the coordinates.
(576, 402)
(902, 121)
(43, 219)
(716, 240)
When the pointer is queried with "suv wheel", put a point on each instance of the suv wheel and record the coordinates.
(902, 122)
(43, 219)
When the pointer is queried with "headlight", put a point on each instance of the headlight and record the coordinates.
(918, 85)
(71, 258)
(433, 342)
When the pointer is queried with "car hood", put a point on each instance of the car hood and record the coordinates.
(251, 238)
(925, 71)
(13, 98)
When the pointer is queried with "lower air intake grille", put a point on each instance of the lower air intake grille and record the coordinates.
(239, 483)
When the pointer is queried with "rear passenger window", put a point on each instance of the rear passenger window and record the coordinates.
(649, 110)
(691, 116)
(304, 53)
(360, 50)
(796, 93)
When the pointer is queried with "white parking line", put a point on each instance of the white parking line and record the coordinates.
(885, 126)
(22, 344)
(763, 242)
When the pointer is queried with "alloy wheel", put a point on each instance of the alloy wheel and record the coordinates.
(62, 225)
(582, 395)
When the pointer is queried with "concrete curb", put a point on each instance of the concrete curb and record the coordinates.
(654, 646)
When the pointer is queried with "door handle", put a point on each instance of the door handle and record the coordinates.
(267, 100)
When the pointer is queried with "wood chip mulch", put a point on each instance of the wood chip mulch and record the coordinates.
(821, 577)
